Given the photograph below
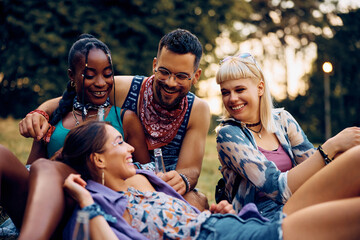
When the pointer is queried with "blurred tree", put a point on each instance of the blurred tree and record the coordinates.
(343, 51)
(37, 34)
(293, 23)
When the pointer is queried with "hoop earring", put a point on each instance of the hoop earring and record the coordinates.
(72, 84)
(103, 177)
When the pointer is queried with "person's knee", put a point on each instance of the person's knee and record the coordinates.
(203, 200)
(44, 166)
(197, 199)
(6, 156)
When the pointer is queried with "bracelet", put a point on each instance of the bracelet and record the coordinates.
(96, 210)
(326, 157)
(41, 112)
(47, 136)
(186, 181)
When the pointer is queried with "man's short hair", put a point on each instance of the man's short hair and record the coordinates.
(182, 41)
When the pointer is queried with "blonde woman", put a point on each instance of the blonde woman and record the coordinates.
(260, 148)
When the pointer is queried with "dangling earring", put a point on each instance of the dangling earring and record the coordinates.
(72, 84)
(103, 177)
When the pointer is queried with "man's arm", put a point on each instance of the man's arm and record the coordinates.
(35, 125)
(193, 146)
(121, 88)
(192, 150)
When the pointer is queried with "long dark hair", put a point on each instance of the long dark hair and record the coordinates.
(79, 51)
(87, 138)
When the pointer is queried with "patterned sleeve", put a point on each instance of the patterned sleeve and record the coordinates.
(301, 147)
(237, 153)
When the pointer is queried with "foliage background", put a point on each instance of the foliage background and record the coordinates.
(36, 35)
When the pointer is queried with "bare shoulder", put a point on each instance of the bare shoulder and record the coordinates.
(131, 120)
(129, 115)
(139, 182)
(121, 87)
(200, 111)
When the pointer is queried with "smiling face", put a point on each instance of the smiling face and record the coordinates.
(169, 92)
(117, 157)
(98, 77)
(241, 98)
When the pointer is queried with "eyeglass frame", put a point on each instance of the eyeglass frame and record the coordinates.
(175, 77)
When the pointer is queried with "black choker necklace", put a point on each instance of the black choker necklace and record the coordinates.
(257, 132)
(252, 124)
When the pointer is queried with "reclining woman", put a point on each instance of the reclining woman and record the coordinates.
(91, 80)
(124, 203)
(261, 148)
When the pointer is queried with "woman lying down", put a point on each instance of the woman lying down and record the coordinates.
(124, 203)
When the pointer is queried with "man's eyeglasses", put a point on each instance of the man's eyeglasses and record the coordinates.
(164, 74)
(241, 55)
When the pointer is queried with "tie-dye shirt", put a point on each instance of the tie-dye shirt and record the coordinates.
(160, 216)
(239, 155)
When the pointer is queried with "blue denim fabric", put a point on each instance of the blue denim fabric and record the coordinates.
(8, 229)
(229, 226)
(268, 208)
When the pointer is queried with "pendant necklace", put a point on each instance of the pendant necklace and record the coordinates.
(100, 115)
(76, 120)
(253, 125)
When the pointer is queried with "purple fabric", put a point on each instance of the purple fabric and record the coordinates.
(115, 203)
(279, 157)
(250, 211)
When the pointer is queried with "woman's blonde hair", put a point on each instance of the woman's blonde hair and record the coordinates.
(245, 66)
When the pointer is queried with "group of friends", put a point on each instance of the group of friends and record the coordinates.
(93, 151)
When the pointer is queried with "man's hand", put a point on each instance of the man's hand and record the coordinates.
(222, 207)
(174, 180)
(34, 125)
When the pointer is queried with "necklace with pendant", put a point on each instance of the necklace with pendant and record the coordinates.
(76, 120)
(257, 132)
(100, 115)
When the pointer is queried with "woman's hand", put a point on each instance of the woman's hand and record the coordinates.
(222, 207)
(343, 141)
(75, 186)
(34, 125)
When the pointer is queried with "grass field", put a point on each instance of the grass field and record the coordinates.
(20, 146)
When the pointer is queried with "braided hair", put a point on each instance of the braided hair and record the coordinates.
(79, 50)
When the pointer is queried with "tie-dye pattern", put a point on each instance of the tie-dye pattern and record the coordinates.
(160, 216)
(239, 154)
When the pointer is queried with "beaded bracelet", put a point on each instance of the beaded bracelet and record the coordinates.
(186, 181)
(96, 210)
(326, 157)
(41, 112)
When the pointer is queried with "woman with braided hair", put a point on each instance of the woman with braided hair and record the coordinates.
(27, 194)
(87, 97)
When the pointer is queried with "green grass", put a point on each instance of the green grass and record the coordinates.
(20, 146)
(11, 138)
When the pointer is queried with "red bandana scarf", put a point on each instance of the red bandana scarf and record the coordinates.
(160, 124)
